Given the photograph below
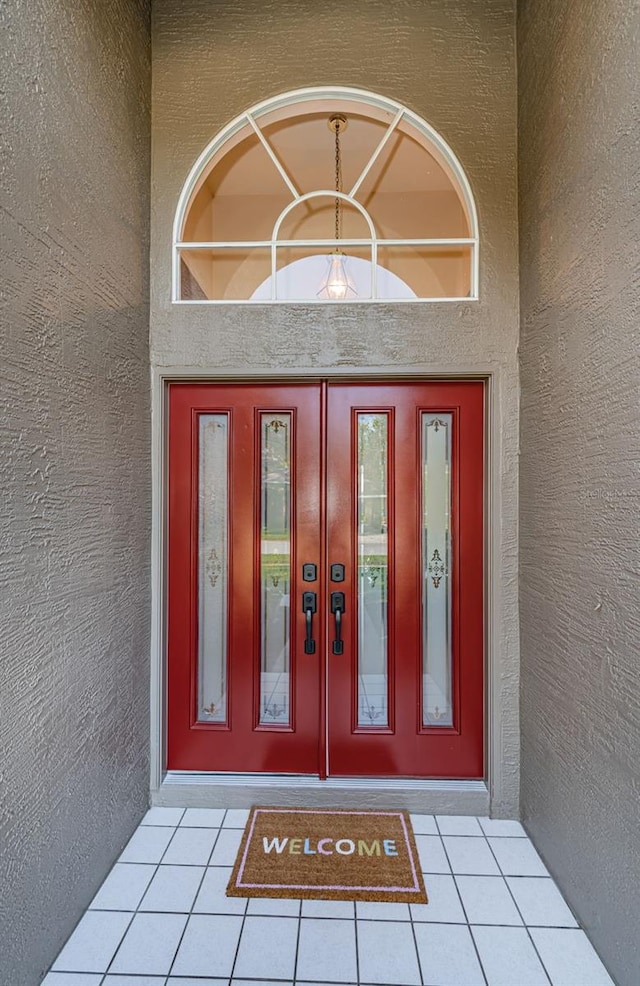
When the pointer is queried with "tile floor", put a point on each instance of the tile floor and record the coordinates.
(161, 918)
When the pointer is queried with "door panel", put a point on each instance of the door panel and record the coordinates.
(384, 481)
(411, 742)
(268, 542)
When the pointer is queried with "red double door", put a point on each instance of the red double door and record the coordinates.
(325, 578)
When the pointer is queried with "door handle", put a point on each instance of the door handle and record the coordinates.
(309, 608)
(337, 608)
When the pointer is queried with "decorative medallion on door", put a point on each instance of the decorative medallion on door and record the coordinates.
(325, 579)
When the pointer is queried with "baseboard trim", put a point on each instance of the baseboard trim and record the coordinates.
(219, 790)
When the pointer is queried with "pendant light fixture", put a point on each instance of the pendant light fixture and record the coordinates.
(337, 285)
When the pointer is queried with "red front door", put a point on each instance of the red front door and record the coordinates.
(325, 589)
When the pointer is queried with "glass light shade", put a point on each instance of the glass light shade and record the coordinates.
(337, 285)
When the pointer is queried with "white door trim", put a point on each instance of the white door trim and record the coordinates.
(496, 769)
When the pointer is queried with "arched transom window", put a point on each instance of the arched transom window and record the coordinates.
(278, 208)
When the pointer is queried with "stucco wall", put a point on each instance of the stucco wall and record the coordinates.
(74, 470)
(453, 63)
(580, 487)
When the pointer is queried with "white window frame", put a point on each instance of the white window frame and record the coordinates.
(373, 242)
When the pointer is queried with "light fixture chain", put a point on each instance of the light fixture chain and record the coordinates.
(338, 181)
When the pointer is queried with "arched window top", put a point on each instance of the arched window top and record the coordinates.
(259, 219)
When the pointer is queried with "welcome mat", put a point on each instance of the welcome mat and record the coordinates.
(328, 854)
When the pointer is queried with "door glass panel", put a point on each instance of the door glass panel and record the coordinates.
(212, 567)
(373, 558)
(275, 567)
(436, 565)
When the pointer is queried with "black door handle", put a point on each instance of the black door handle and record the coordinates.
(309, 608)
(337, 608)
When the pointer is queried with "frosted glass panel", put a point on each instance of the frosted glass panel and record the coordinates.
(373, 559)
(436, 680)
(275, 567)
(212, 567)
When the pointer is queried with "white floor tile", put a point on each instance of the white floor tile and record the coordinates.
(327, 951)
(146, 845)
(487, 900)
(236, 818)
(267, 948)
(212, 897)
(432, 855)
(173, 888)
(458, 825)
(444, 902)
(285, 907)
(540, 902)
(424, 825)
(226, 848)
(502, 827)
(470, 855)
(202, 818)
(394, 982)
(199, 982)
(191, 847)
(163, 816)
(375, 910)
(209, 945)
(181, 981)
(138, 950)
(150, 944)
(569, 957)
(94, 942)
(124, 887)
(508, 957)
(447, 955)
(134, 981)
(328, 909)
(517, 857)
(72, 979)
(387, 953)
(249, 982)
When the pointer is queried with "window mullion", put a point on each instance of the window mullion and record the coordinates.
(268, 148)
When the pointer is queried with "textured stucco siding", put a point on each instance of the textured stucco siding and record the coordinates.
(579, 77)
(74, 465)
(453, 63)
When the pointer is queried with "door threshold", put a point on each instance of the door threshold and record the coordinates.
(193, 789)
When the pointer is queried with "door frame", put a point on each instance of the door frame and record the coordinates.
(453, 796)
